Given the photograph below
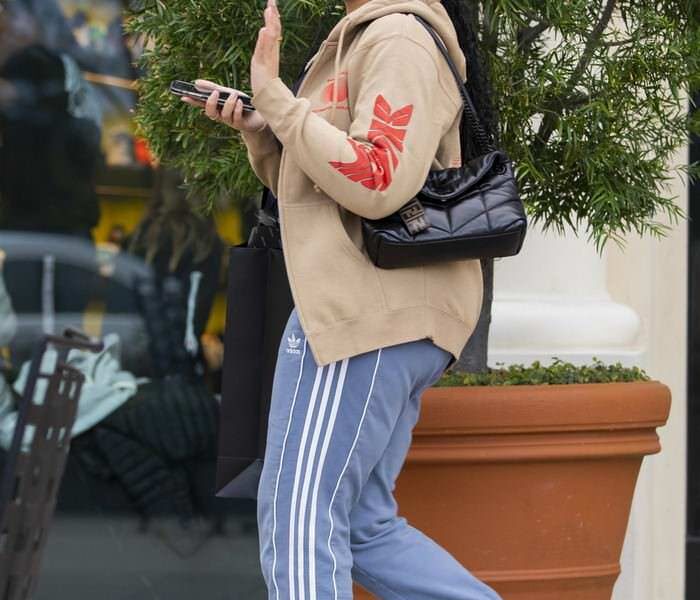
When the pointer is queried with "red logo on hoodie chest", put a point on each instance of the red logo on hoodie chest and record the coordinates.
(374, 164)
(326, 93)
(342, 85)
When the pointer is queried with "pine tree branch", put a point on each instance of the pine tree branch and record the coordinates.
(575, 100)
(550, 120)
(527, 35)
(591, 44)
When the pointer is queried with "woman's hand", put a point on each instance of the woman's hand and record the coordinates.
(263, 67)
(266, 58)
(232, 113)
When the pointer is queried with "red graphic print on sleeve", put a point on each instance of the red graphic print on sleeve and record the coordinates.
(374, 164)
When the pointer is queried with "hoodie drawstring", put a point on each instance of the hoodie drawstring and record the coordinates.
(336, 74)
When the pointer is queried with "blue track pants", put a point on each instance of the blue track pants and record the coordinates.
(337, 438)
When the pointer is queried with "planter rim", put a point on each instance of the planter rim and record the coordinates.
(549, 385)
(587, 407)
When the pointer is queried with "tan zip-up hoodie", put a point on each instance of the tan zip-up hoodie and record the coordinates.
(377, 110)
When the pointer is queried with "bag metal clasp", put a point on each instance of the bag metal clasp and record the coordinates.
(414, 218)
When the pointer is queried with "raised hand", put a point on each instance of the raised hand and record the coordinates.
(266, 58)
(263, 67)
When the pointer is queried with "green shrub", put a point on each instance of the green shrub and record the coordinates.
(209, 39)
(591, 97)
(537, 374)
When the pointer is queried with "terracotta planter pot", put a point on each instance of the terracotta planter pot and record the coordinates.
(530, 487)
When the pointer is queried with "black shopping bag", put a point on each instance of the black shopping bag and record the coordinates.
(259, 303)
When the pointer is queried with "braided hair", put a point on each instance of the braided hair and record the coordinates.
(464, 15)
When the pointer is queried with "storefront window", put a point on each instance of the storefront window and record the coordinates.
(95, 235)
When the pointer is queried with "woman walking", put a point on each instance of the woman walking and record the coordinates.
(377, 109)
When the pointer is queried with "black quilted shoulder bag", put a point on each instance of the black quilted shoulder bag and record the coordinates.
(467, 212)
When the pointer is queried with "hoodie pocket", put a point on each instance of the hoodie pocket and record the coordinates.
(333, 279)
(343, 237)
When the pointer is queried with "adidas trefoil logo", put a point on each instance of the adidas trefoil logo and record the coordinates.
(293, 344)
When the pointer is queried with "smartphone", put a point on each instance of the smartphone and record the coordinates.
(185, 88)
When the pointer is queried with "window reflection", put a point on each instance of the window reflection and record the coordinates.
(136, 514)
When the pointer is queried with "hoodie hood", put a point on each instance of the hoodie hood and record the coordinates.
(431, 10)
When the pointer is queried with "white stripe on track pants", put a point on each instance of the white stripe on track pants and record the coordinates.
(337, 439)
